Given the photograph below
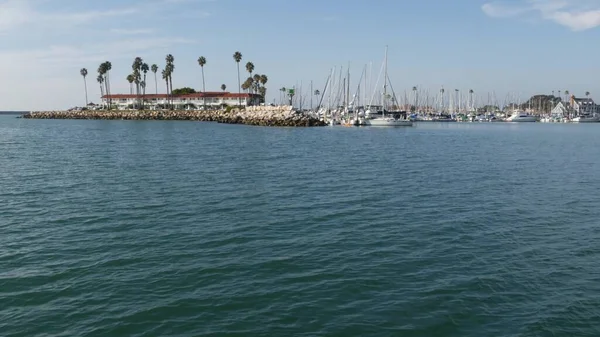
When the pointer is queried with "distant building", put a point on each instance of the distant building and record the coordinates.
(561, 110)
(576, 107)
(213, 100)
(584, 106)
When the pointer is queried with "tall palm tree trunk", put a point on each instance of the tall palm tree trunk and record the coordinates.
(171, 85)
(203, 90)
(107, 80)
(107, 92)
(156, 83)
(86, 94)
(239, 86)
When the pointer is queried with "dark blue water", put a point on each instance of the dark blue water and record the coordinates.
(123, 228)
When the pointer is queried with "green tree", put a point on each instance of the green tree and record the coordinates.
(201, 63)
(263, 81)
(183, 91)
(170, 70)
(154, 69)
(223, 87)
(165, 77)
(100, 81)
(237, 57)
(130, 79)
(250, 68)
(108, 67)
(84, 73)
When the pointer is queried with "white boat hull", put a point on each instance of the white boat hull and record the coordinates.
(586, 119)
(528, 119)
(388, 122)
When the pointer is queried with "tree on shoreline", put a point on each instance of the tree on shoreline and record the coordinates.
(170, 69)
(165, 77)
(202, 62)
(108, 67)
(137, 78)
(103, 71)
(84, 73)
(282, 94)
(130, 79)
(154, 69)
(223, 87)
(237, 57)
(145, 69)
(250, 69)
(100, 81)
(263, 91)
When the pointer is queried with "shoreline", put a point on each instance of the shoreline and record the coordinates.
(257, 116)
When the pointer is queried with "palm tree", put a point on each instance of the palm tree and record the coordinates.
(223, 87)
(84, 73)
(587, 94)
(263, 80)
(250, 68)
(316, 93)
(471, 99)
(154, 69)
(414, 89)
(237, 57)
(143, 85)
(170, 69)
(137, 68)
(201, 63)
(100, 81)
(108, 66)
(165, 76)
(102, 74)
(145, 69)
(566, 95)
(282, 94)
(130, 79)
(256, 81)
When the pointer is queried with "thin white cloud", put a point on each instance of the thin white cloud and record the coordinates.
(500, 10)
(577, 15)
(141, 31)
(17, 13)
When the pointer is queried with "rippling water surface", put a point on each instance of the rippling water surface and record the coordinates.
(122, 228)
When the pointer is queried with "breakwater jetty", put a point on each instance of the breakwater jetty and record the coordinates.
(282, 116)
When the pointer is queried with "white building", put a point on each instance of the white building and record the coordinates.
(213, 100)
(584, 106)
(561, 110)
(576, 107)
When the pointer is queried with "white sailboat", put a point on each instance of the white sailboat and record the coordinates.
(386, 118)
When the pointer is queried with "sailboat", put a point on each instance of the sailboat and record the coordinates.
(387, 118)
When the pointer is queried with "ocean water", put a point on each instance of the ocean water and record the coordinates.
(125, 228)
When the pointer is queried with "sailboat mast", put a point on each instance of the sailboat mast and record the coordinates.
(348, 88)
(385, 78)
(311, 94)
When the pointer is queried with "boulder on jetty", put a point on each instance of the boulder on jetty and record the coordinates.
(253, 115)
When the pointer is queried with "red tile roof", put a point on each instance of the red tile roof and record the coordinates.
(208, 94)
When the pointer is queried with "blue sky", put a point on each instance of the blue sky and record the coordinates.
(521, 47)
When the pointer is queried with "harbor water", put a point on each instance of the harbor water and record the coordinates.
(155, 228)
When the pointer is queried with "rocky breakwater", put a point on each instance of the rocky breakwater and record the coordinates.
(254, 115)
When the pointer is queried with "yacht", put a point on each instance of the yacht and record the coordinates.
(586, 119)
(521, 116)
(388, 121)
